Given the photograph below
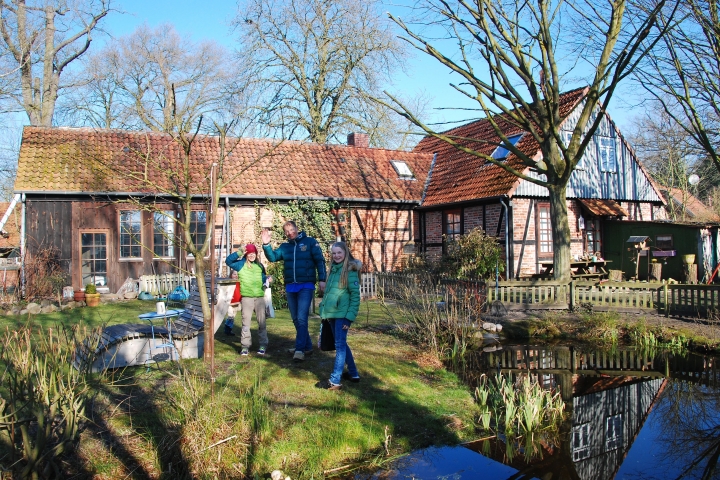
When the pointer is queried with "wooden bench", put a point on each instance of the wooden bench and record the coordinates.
(129, 344)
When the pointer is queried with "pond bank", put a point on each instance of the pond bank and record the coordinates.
(703, 334)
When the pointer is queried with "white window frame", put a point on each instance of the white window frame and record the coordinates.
(135, 243)
(164, 225)
(607, 154)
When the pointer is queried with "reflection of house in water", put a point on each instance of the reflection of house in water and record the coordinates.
(605, 420)
(608, 396)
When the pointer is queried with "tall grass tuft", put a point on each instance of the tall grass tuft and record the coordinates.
(42, 400)
(435, 316)
(523, 412)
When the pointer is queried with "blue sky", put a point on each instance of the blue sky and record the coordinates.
(210, 20)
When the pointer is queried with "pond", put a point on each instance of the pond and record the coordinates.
(630, 413)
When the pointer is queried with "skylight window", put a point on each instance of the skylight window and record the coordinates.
(502, 151)
(402, 170)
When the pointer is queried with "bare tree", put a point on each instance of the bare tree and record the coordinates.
(513, 58)
(159, 80)
(179, 180)
(681, 73)
(44, 37)
(667, 151)
(321, 62)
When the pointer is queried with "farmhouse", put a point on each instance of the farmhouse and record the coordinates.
(80, 187)
(466, 192)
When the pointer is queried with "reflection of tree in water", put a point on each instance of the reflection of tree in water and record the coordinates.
(690, 428)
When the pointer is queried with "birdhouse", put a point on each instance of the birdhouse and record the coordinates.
(639, 242)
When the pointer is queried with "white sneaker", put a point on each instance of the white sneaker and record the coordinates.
(298, 357)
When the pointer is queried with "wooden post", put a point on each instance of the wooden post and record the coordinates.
(690, 273)
(667, 306)
(655, 271)
(572, 294)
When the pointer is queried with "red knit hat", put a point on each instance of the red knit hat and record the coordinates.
(250, 248)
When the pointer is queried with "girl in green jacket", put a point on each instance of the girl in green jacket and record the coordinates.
(340, 306)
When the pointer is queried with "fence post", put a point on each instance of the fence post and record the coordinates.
(667, 305)
(572, 295)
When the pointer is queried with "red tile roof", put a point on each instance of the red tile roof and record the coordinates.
(603, 208)
(83, 160)
(693, 206)
(458, 176)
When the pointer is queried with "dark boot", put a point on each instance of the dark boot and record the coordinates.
(229, 326)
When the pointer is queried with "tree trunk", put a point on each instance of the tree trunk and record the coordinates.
(561, 232)
(200, 268)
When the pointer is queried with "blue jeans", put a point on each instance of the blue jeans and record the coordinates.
(343, 355)
(299, 305)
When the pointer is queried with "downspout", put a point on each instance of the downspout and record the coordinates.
(22, 246)
(508, 262)
(15, 199)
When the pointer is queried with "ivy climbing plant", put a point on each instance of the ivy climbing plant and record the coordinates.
(315, 218)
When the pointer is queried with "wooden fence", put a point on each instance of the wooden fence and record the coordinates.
(631, 297)
(164, 283)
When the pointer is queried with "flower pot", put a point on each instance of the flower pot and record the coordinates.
(79, 296)
(92, 299)
(689, 259)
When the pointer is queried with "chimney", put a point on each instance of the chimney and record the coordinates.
(358, 140)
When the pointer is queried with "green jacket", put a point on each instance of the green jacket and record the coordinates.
(342, 302)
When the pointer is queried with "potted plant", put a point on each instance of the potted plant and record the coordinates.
(79, 296)
(92, 298)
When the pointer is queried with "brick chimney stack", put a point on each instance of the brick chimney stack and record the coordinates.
(358, 140)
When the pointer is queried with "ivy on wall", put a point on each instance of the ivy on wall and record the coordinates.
(314, 217)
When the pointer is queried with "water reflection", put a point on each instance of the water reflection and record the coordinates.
(630, 414)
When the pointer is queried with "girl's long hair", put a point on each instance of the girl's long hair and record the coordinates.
(345, 264)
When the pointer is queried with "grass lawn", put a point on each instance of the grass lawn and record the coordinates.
(264, 413)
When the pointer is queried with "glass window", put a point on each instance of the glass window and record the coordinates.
(593, 237)
(402, 169)
(93, 255)
(452, 228)
(614, 431)
(163, 234)
(581, 441)
(567, 137)
(502, 151)
(607, 154)
(544, 231)
(198, 227)
(130, 234)
(664, 242)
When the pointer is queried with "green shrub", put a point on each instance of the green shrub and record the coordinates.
(473, 255)
(90, 288)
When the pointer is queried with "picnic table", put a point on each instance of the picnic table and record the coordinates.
(579, 269)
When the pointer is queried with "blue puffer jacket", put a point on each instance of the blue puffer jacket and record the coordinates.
(303, 258)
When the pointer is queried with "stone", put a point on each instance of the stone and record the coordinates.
(24, 311)
(498, 327)
(277, 475)
(34, 308)
(130, 295)
(67, 306)
(490, 327)
(109, 298)
(45, 303)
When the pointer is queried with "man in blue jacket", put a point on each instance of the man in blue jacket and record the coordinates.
(303, 258)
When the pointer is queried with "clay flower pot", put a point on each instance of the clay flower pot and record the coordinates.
(79, 296)
(92, 299)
